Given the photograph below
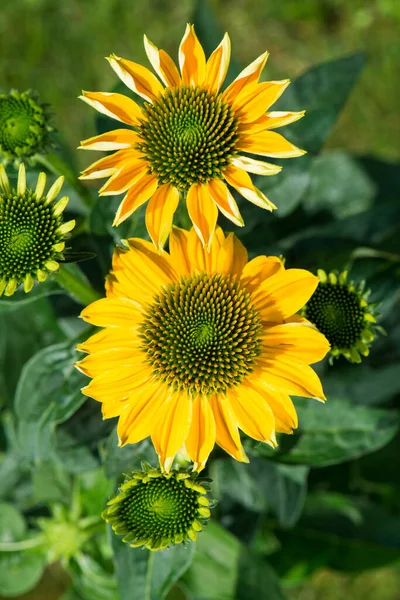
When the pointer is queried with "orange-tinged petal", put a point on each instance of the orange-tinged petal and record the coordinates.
(268, 143)
(225, 201)
(249, 75)
(202, 212)
(253, 414)
(116, 106)
(113, 312)
(217, 65)
(281, 404)
(137, 78)
(290, 376)
(297, 340)
(259, 167)
(256, 126)
(137, 195)
(232, 256)
(227, 433)
(178, 249)
(256, 99)
(137, 419)
(284, 294)
(160, 213)
(258, 270)
(104, 167)
(131, 172)
(281, 118)
(241, 181)
(192, 60)
(111, 140)
(200, 258)
(172, 427)
(201, 438)
(163, 64)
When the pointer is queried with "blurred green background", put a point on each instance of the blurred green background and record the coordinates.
(57, 47)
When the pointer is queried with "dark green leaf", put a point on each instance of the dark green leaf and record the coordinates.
(117, 460)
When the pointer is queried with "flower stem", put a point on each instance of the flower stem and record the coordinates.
(71, 278)
(56, 165)
(22, 545)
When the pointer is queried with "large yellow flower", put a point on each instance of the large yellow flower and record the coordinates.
(188, 137)
(196, 345)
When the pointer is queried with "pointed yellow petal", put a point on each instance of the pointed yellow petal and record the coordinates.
(232, 256)
(201, 259)
(281, 118)
(249, 75)
(130, 173)
(160, 213)
(201, 438)
(241, 181)
(290, 376)
(284, 294)
(4, 182)
(202, 212)
(257, 98)
(225, 201)
(259, 167)
(163, 64)
(107, 339)
(172, 427)
(101, 361)
(116, 106)
(298, 340)
(268, 143)
(192, 60)
(137, 78)
(104, 167)
(227, 433)
(253, 413)
(21, 185)
(258, 270)
(137, 195)
(119, 384)
(178, 249)
(137, 419)
(111, 140)
(217, 65)
(281, 404)
(113, 312)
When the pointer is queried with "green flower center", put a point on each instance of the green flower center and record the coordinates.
(337, 312)
(23, 130)
(28, 231)
(202, 334)
(188, 136)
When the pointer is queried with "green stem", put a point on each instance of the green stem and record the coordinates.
(71, 278)
(22, 545)
(56, 165)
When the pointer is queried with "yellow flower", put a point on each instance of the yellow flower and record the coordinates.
(196, 345)
(188, 137)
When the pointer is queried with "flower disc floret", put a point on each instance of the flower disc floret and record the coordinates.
(156, 510)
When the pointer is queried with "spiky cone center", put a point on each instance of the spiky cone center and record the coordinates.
(157, 510)
(188, 136)
(23, 126)
(29, 235)
(339, 310)
(202, 334)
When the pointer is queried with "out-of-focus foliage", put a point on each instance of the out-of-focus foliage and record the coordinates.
(328, 499)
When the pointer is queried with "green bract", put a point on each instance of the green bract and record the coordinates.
(156, 510)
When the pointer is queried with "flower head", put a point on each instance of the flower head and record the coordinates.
(32, 233)
(24, 126)
(197, 344)
(189, 137)
(340, 310)
(156, 510)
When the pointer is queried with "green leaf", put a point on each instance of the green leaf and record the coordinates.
(257, 579)
(12, 523)
(72, 455)
(117, 460)
(146, 575)
(322, 92)
(51, 483)
(20, 572)
(334, 432)
(262, 485)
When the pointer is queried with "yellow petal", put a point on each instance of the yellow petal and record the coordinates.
(259, 167)
(253, 413)
(241, 181)
(101, 361)
(137, 78)
(162, 63)
(104, 167)
(137, 419)
(225, 201)
(217, 65)
(268, 143)
(280, 118)
(119, 384)
(116, 106)
(108, 339)
(202, 212)
(256, 99)
(200, 258)
(192, 60)
(280, 403)
(160, 213)
(113, 312)
(253, 127)
(249, 75)
(232, 256)
(172, 427)
(137, 195)
(111, 140)
(131, 172)
(178, 249)
(201, 438)
(297, 340)
(258, 270)
(227, 433)
(290, 376)
(284, 294)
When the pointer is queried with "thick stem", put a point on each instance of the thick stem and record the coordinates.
(71, 278)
